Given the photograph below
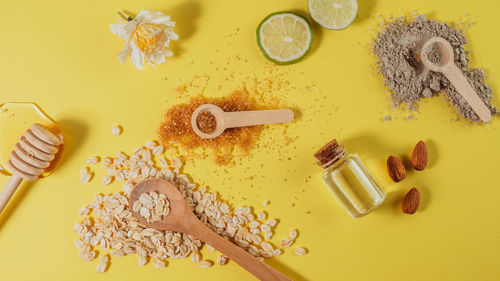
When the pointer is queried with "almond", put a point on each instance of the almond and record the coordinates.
(396, 169)
(411, 201)
(420, 156)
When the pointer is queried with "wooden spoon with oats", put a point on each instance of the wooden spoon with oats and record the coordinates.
(182, 219)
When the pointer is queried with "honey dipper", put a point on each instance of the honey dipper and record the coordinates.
(182, 219)
(29, 159)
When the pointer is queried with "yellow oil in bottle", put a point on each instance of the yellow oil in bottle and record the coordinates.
(15, 119)
(354, 186)
(349, 180)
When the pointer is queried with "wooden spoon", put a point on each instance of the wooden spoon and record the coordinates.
(447, 66)
(29, 159)
(182, 219)
(225, 120)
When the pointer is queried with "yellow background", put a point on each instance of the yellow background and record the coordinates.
(61, 55)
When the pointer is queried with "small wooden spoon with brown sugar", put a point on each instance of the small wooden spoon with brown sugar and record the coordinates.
(224, 120)
(182, 219)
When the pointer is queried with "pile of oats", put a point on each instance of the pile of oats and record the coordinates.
(152, 206)
(107, 222)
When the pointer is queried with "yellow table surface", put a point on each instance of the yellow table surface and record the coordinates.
(61, 55)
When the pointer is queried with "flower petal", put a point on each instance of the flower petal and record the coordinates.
(172, 35)
(137, 57)
(123, 54)
(168, 53)
(162, 20)
(158, 58)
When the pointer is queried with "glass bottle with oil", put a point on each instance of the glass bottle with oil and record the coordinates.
(349, 179)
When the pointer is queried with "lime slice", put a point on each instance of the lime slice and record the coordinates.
(333, 14)
(284, 37)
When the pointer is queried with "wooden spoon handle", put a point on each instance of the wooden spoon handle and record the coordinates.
(243, 258)
(257, 117)
(9, 190)
(463, 87)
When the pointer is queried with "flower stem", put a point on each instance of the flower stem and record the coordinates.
(128, 18)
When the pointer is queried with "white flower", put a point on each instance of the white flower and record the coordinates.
(147, 38)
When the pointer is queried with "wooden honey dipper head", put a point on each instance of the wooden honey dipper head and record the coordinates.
(31, 156)
(33, 153)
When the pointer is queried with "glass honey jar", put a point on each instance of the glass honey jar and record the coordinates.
(349, 179)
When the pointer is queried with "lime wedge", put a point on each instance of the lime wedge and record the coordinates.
(284, 37)
(333, 14)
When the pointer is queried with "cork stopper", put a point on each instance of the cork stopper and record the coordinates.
(329, 154)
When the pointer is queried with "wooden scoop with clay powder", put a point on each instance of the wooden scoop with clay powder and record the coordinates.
(236, 119)
(447, 66)
(182, 219)
(29, 159)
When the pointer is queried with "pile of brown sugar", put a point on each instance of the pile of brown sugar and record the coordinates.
(398, 47)
(176, 127)
(206, 122)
